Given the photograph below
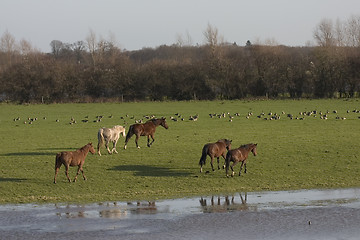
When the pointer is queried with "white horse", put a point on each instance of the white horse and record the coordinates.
(110, 134)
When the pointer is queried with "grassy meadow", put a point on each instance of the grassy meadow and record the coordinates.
(311, 153)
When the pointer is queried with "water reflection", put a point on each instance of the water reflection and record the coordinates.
(334, 214)
(212, 204)
(109, 210)
(226, 204)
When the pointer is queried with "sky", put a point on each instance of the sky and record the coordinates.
(136, 24)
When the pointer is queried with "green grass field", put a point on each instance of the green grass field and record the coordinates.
(292, 154)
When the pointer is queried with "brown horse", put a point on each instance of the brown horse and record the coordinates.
(214, 150)
(239, 155)
(71, 159)
(145, 129)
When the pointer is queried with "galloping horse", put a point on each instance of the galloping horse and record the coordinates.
(145, 129)
(71, 159)
(109, 134)
(216, 149)
(239, 155)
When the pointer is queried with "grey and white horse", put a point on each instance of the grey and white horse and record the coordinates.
(110, 134)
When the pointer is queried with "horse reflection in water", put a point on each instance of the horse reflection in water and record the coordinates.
(113, 213)
(122, 212)
(144, 208)
(226, 204)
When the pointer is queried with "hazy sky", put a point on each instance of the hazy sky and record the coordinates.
(149, 23)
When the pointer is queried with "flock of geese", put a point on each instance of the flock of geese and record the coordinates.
(275, 116)
(224, 115)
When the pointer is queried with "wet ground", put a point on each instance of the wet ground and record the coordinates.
(309, 214)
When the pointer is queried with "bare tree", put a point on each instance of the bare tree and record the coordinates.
(212, 36)
(8, 45)
(184, 40)
(339, 33)
(56, 47)
(92, 45)
(353, 31)
(25, 47)
(324, 33)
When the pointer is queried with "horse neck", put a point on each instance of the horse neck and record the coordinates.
(156, 122)
(85, 150)
(246, 149)
(251, 147)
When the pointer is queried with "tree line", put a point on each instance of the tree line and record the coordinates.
(98, 70)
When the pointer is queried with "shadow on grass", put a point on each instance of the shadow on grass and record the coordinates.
(29, 154)
(12, 179)
(58, 149)
(55, 151)
(151, 171)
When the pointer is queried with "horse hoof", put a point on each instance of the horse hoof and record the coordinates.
(125, 147)
(138, 147)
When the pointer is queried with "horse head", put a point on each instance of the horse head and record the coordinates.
(253, 148)
(121, 130)
(91, 148)
(163, 123)
(228, 144)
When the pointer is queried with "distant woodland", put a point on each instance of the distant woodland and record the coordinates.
(97, 70)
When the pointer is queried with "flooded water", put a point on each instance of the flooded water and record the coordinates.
(309, 214)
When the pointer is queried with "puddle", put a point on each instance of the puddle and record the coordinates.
(306, 214)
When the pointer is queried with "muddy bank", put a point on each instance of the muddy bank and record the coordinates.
(312, 214)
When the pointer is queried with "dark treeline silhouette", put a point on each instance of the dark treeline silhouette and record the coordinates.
(227, 71)
(97, 70)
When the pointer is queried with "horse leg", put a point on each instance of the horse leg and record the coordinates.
(136, 140)
(107, 146)
(245, 167)
(57, 167)
(232, 168)
(212, 161)
(98, 147)
(218, 160)
(67, 172)
(56, 172)
(82, 172)
(77, 173)
(224, 156)
(128, 136)
(242, 164)
(114, 147)
(153, 139)
(148, 139)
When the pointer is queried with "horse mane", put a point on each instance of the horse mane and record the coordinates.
(247, 145)
(156, 121)
(87, 145)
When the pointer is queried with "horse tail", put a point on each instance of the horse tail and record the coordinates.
(227, 162)
(203, 155)
(100, 139)
(57, 161)
(130, 133)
